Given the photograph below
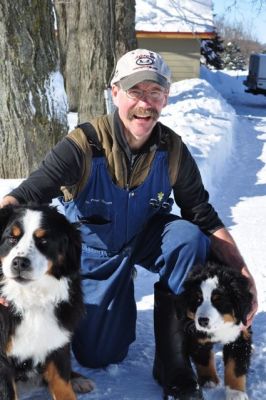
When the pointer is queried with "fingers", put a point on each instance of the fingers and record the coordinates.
(8, 200)
(252, 313)
(3, 302)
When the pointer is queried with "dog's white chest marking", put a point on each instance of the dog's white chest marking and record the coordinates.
(38, 333)
(221, 330)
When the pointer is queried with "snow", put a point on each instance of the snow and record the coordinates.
(225, 129)
(174, 16)
(56, 96)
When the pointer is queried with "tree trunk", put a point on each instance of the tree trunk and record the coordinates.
(33, 104)
(92, 35)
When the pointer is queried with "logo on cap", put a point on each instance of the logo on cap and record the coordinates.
(145, 59)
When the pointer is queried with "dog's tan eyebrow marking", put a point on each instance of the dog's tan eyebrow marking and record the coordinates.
(229, 318)
(16, 231)
(40, 233)
(9, 346)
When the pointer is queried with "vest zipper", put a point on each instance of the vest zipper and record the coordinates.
(131, 170)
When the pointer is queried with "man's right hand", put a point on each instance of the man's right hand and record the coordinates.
(3, 302)
(8, 200)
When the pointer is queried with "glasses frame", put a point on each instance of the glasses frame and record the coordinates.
(146, 94)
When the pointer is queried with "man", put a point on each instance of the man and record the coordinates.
(117, 175)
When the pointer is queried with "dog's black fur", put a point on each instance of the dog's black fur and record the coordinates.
(221, 318)
(40, 253)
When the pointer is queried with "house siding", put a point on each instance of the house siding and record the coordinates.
(182, 55)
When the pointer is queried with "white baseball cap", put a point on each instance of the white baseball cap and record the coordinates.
(141, 65)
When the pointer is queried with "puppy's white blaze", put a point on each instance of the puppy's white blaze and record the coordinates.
(208, 286)
(26, 247)
(221, 331)
(39, 333)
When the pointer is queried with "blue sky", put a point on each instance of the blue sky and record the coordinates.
(253, 19)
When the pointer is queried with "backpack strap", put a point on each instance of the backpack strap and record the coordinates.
(93, 140)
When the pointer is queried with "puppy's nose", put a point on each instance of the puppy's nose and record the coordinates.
(203, 321)
(20, 263)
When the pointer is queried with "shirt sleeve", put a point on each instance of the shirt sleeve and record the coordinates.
(62, 166)
(192, 198)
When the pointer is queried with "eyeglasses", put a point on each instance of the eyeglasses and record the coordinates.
(138, 94)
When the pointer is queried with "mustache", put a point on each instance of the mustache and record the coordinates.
(143, 112)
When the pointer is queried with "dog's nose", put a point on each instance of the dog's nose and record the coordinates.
(203, 321)
(20, 263)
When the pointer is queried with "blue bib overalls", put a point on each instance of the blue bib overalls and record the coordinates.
(121, 228)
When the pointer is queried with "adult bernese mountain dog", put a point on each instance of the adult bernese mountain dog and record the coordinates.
(218, 300)
(39, 278)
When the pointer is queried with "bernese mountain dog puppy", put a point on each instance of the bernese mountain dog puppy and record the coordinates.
(217, 301)
(39, 279)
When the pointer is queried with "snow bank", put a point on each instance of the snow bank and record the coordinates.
(205, 121)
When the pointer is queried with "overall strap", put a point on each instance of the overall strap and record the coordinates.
(92, 138)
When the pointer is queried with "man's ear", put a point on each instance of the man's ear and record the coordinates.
(115, 90)
(166, 99)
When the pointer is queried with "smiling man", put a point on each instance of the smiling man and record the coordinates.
(115, 176)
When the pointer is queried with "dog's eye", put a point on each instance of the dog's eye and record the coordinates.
(12, 239)
(216, 297)
(42, 241)
(198, 297)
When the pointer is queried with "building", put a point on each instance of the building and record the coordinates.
(175, 28)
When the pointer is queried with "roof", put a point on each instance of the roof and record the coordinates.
(174, 17)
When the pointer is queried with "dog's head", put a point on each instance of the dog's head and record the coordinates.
(36, 241)
(217, 298)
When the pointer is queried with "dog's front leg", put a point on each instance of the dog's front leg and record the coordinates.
(236, 361)
(57, 374)
(7, 378)
(203, 357)
(7, 387)
(59, 388)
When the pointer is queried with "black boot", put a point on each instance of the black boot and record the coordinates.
(172, 367)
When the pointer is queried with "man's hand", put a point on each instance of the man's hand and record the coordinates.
(8, 200)
(253, 291)
(226, 250)
(3, 301)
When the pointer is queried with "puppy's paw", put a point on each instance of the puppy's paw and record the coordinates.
(231, 394)
(80, 383)
(210, 384)
(209, 381)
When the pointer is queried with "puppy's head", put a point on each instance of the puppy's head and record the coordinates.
(217, 297)
(36, 241)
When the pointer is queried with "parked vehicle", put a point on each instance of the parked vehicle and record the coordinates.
(256, 79)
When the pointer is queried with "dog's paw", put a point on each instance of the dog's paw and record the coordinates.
(231, 394)
(80, 383)
(209, 385)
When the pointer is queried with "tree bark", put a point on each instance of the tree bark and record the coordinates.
(33, 105)
(92, 35)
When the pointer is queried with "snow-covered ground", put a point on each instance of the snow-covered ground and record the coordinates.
(225, 129)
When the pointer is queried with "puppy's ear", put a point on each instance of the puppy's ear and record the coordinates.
(72, 249)
(5, 214)
(241, 298)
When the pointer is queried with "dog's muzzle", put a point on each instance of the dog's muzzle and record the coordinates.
(21, 267)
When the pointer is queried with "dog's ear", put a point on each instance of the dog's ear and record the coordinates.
(241, 298)
(70, 249)
(5, 214)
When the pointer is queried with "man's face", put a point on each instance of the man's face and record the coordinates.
(139, 109)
